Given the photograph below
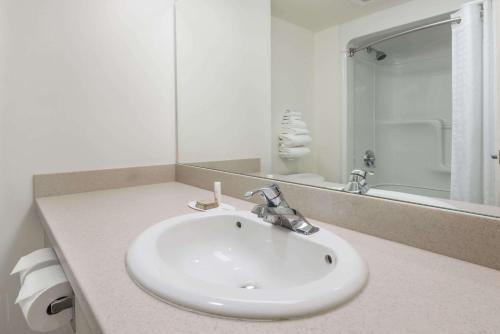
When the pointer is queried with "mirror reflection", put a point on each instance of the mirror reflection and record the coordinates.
(386, 98)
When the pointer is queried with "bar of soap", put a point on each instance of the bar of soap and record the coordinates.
(206, 204)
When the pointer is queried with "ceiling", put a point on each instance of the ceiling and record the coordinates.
(317, 15)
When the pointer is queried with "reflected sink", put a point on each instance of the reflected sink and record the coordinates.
(236, 265)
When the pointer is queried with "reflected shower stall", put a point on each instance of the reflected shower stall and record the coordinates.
(405, 91)
(400, 112)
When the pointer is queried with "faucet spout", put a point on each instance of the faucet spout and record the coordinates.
(276, 211)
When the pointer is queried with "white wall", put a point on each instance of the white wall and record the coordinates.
(306, 77)
(223, 76)
(86, 85)
(292, 68)
(327, 104)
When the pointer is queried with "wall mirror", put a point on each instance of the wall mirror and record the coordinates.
(387, 98)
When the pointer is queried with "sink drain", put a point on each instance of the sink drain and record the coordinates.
(249, 286)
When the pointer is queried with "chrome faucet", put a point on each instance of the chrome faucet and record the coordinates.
(276, 211)
(357, 182)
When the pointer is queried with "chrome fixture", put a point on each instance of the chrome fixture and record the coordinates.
(276, 211)
(60, 304)
(357, 182)
(352, 51)
(369, 158)
(379, 55)
(495, 156)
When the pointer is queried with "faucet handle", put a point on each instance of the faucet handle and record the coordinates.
(272, 195)
(270, 192)
(360, 174)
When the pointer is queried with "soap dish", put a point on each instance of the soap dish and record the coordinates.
(221, 207)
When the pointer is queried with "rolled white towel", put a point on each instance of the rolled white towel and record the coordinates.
(294, 123)
(291, 153)
(295, 131)
(292, 118)
(291, 140)
(288, 112)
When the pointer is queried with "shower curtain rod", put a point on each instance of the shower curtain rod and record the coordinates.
(352, 51)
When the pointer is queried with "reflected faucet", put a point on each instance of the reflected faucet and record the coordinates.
(276, 211)
(369, 158)
(357, 182)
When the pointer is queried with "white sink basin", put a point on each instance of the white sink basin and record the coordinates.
(236, 265)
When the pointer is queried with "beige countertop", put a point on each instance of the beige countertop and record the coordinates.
(409, 290)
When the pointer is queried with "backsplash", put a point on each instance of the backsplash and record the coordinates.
(467, 237)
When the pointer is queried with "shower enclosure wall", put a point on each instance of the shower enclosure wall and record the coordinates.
(399, 108)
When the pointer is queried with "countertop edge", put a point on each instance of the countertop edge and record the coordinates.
(87, 311)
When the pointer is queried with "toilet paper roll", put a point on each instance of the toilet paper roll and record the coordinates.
(45, 286)
(36, 260)
(40, 280)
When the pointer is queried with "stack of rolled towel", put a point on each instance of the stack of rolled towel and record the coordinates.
(294, 136)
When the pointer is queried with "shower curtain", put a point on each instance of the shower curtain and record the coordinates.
(473, 115)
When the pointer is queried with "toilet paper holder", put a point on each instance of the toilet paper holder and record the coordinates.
(59, 305)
